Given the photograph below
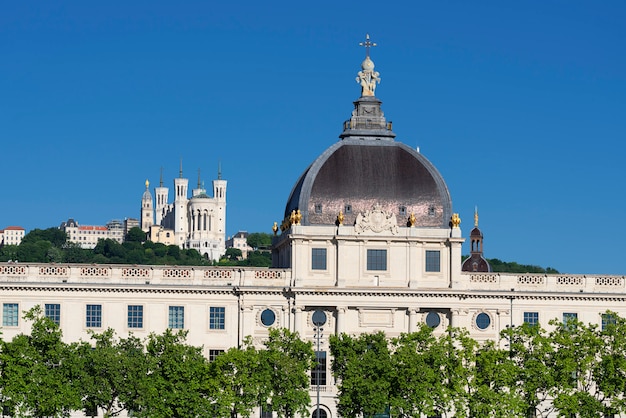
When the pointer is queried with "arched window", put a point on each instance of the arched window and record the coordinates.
(319, 413)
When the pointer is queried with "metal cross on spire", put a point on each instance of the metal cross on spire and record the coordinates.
(367, 44)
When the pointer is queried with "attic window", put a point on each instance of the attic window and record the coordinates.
(402, 210)
(347, 209)
(431, 211)
(318, 208)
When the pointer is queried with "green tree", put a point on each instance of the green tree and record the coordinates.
(258, 240)
(237, 375)
(581, 382)
(417, 360)
(135, 234)
(363, 369)
(177, 383)
(287, 361)
(610, 373)
(532, 351)
(54, 236)
(38, 371)
(115, 370)
(492, 391)
(111, 249)
(36, 252)
(74, 253)
(259, 259)
(233, 254)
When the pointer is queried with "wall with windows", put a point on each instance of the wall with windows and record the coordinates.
(221, 306)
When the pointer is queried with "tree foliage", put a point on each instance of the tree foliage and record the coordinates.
(40, 375)
(287, 362)
(51, 246)
(259, 240)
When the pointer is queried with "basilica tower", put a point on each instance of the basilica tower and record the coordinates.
(147, 210)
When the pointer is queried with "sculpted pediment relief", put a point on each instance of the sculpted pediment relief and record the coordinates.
(376, 220)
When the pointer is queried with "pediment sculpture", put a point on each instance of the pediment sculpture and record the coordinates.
(376, 220)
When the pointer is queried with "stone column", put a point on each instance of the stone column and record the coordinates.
(341, 318)
(297, 320)
(412, 319)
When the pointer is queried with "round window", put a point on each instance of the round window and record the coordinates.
(432, 319)
(268, 317)
(318, 318)
(483, 320)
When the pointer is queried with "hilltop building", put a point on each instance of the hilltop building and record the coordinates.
(11, 235)
(198, 222)
(240, 241)
(369, 242)
(87, 236)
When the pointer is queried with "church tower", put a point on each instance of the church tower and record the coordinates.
(161, 194)
(219, 194)
(476, 262)
(147, 213)
(180, 207)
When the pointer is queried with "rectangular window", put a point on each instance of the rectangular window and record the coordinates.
(377, 259)
(569, 317)
(318, 258)
(318, 374)
(531, 318)
(176, 317)
(214, 353)
(433, 260)
(53, 311)
(266, 411)
(93, 317)
(10, 314)
(217, 317)
(608, 319)
(135, 316)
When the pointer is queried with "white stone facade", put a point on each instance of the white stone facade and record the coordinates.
(355, 299)
(11, 235)
(196, 223)
(87, 236)
(240, 242)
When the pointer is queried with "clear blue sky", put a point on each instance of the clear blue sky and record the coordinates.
(520, 105)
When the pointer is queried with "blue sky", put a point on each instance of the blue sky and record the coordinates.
(520, 105)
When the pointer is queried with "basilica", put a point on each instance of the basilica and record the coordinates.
(196, 223)
(368, 241)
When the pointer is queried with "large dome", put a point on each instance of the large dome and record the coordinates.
(367, 168)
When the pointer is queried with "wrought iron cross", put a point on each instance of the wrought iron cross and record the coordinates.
(367, 44)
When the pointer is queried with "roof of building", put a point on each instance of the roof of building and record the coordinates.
(368, 168)
(14, 228)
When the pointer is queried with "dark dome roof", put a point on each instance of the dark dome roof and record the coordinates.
(476, 263)
(358, 173)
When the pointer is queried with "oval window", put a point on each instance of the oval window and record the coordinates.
(432, 319)
(483, 320)
(268, 317)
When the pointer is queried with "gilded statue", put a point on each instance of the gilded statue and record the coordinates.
(340, 218)
(412, 220)
(275, 228)
(455, 220)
